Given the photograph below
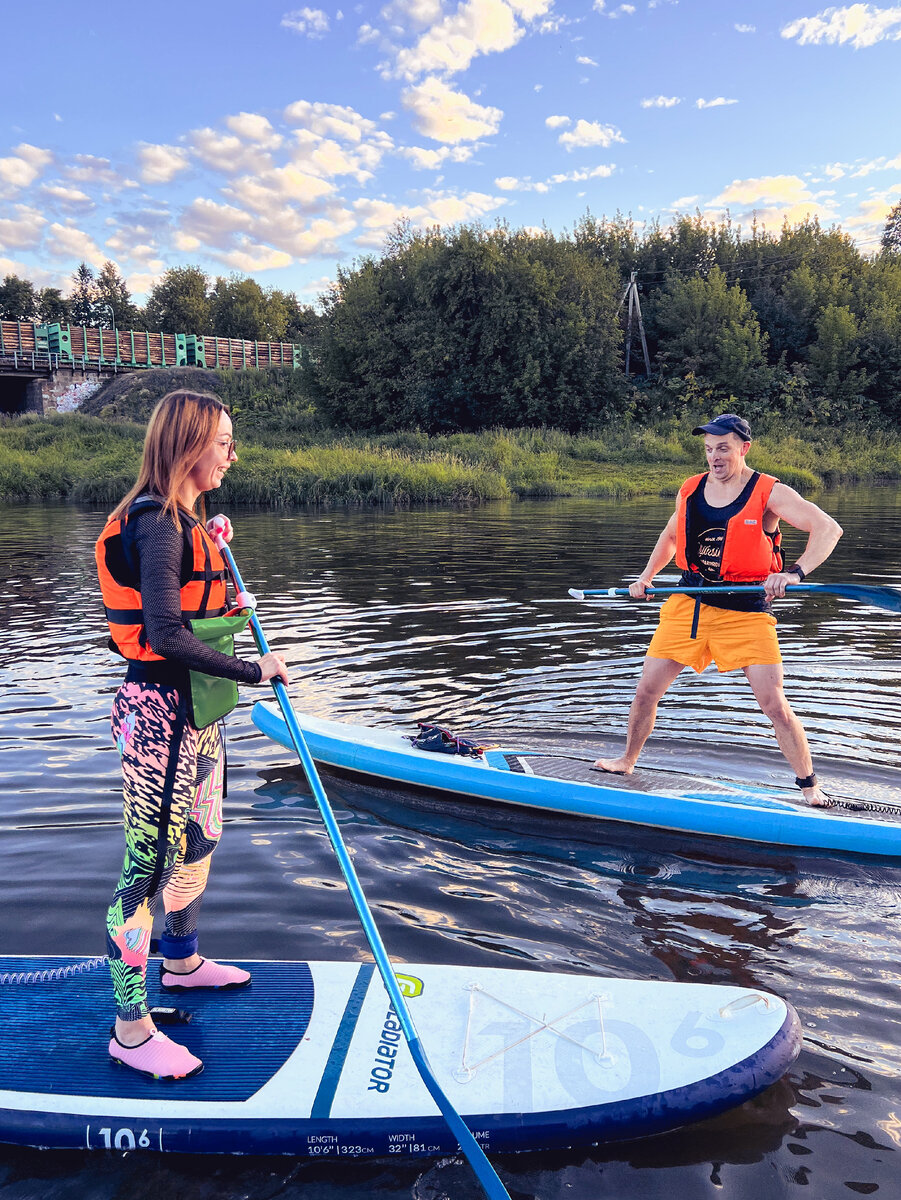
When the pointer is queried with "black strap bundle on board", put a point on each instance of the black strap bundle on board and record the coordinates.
(433, 737)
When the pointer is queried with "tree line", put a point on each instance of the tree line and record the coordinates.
(184, 300)
(468, 328)
(471, 328)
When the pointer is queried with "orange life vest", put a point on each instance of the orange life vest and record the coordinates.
(203, 575)
(749, 552)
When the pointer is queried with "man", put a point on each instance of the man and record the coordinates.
(726, 530)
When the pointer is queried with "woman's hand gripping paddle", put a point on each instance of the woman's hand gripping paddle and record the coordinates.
(488, 1178)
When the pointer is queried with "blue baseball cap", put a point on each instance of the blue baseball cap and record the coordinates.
(727, 423)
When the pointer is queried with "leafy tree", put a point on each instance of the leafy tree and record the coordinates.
(18, 299)
(891, 233)
(880, 335)
(240, 308)
(835, 354)
(113, 294)
(708, 329)
(466, 329)
(180, 302)
(83, 296)
(52, 306)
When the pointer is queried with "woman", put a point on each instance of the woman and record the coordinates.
(159, 569)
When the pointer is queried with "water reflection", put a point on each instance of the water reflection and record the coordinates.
(463, 616)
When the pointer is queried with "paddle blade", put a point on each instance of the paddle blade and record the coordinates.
(875, 594)
(576, 594)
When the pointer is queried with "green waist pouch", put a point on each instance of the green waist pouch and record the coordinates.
(211, 696)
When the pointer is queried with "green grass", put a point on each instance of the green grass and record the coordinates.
(95, 459)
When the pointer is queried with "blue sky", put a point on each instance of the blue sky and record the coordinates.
(281, 141)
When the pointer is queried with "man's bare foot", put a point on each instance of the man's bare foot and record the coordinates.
(816, 797)
(614, 766)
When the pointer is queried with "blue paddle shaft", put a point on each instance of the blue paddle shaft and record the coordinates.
(876, 594)
(483, 1169)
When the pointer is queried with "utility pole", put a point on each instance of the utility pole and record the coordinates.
(634, 313)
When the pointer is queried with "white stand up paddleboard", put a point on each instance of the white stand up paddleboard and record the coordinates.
(310, 1059)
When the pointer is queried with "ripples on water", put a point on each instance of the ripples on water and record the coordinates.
(462, 616)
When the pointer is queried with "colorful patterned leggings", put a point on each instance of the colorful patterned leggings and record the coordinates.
(173, 777)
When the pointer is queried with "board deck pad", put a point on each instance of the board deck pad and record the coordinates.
(310, 1060)
(267, 1020)
(671, 781)
(678, 788)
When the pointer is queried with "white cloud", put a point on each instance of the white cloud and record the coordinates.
(254, 128)
(67, 197)
(139, 283)
(684, 202)
(746, 28)
(422, 159)
(765, 189)
(509, 183)
(330, 120)
(586, 61)
(88, 168)
(228, 153)
(19, 171)
(477, 27)
(413, 14)
(328, 159)
(871, 214)
(557, 122)
(251, 256)
(860, 25)
(448, 116)
(437, 208)
(310, 22)
(624, 10)
(876, 164)
(66, 241)
(160, 164)
(23, 230)
(281, 185)
(775, 198)
(590, 133)
(661, 102)
(719, 102)
(127, 244)
(316, 287)
(38, 276)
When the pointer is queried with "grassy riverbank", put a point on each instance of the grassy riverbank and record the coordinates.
(95, 459)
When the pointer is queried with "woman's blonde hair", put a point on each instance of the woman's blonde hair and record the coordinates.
(181, 428)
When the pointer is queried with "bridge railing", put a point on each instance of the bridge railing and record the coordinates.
(86, 346)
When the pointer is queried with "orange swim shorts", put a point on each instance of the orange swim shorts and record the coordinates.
(730, 639)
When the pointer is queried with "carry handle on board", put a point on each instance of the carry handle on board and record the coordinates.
(486, 1174)
(875, 594)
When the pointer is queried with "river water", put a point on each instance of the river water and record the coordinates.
(463, 617)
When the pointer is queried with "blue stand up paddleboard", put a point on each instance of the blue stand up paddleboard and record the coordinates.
(663, 799)
(310, 1060)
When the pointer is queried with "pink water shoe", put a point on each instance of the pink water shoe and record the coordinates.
(156, 1056)
(210, 975)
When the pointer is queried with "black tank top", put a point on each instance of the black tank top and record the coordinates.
(706, 534)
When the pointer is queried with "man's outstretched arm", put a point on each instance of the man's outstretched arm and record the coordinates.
(661, 555)
(822, 530)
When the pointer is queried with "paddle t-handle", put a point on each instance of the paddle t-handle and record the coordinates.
(217, 528)
(484, 1171)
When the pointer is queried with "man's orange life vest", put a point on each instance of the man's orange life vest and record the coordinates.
(749, 553)
(203, 575)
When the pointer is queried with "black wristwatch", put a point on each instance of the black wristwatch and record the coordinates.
(797, 570)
